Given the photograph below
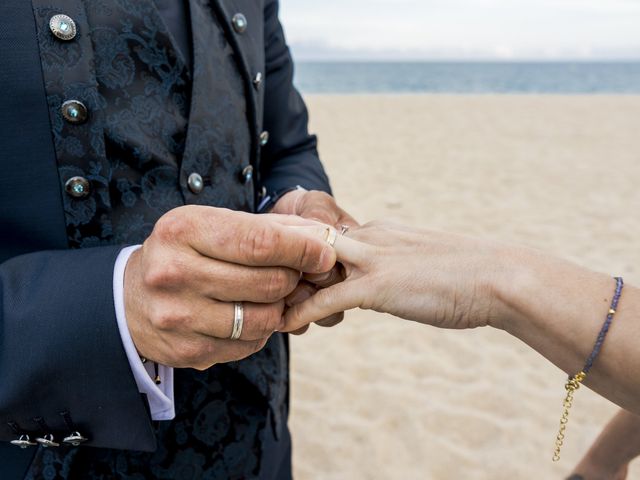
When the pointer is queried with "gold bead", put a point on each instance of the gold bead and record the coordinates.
(612, 311)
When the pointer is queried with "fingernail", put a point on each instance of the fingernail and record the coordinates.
(327, 253)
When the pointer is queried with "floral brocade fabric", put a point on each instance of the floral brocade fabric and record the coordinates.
(153, 119)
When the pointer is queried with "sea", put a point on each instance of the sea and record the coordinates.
(468, 77)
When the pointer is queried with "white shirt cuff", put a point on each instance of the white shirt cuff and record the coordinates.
(160, 397)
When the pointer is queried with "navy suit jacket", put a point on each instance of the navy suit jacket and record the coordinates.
(60, 349)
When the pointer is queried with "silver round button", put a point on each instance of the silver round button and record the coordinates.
(264, 138)
(247, 174)
(63, 27)
(239, 22)
(195, 183)
(74, 111)
(77, 187)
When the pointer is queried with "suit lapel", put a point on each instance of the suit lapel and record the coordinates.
(31, 213)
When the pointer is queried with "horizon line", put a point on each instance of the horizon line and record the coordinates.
(305, 59)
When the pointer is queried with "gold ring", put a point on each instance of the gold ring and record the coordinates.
(331, 236)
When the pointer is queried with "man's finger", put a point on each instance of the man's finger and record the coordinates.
(301, 331)
(224, 351)
(302, 292)
(324, 280)
(230, 282)
(290, 220)
(322, 207)
(331, 321)
(255, 240)
(258, 320)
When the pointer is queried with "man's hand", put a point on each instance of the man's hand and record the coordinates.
(319, 206)
(181, 285)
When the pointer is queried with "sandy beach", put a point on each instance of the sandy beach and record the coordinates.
(381, 398)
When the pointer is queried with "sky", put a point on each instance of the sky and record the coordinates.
(462, 29)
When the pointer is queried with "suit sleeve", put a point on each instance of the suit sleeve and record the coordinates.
(60, 346)
(61, 351)
(291, 156)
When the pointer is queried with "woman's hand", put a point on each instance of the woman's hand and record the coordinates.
(435, 278)
(451, 281)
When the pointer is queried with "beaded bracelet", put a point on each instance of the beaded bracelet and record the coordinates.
(576, 380)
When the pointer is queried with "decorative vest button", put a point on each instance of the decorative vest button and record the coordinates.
(247, 174)
(264, 138)
(47, 441)
(195, 183)
(63, 27)
(239, 22)
(78, 187)
(257, 80)
(23, 442)
(74, 111)
(75, 439)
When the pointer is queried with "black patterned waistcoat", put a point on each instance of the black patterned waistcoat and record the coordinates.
(153, 120)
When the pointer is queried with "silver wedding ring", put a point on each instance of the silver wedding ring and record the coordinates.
(344, 229)
(238, 321)
(331, 236)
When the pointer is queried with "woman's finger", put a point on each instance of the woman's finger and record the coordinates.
(352, 251)
(324, 304)
(347, 249)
